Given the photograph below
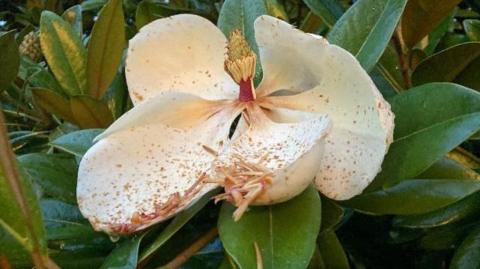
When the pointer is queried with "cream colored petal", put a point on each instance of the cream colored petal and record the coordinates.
(183, 53)
(328, 79)
(146, 171)
(288, 152)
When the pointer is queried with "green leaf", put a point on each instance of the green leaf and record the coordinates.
(421, 141)
(43, 79)
(21, 226)
(472, 28)
(74, 16)
(53, 103)
(148, 11)
(421, 16)
(89, 112)
(331, 251)
(446, 236)
(55, 173)
(467, 256)
(366, 28)
(389, 71)
(332, 214)
(436, 35)
(241, 15)
(285, 233)
(64, 52)
(124, 256)
(76, 143)
(459, 64)
(447, 168)
(105, 48)
(465, 208)
(9, 59)
(173, 227)
(328, 10)
(117, 95)
(414, 196)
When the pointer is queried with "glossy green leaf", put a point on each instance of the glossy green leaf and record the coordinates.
(74, 16)
(421, 141)
(56, 174)
(328, 10)
(467, 256)
(421, 16)
(241, 15)
(465, 208)
(117, 96)
(472, 28)
(173, 227)
(459, 64)
(64, 52)
(90, 5)
(78, 142)
(43, 79)
(53, 103)
(105, 48)
(9, 59)
(366, 28)
(124, 256)
(331, 251)
(89, 112)
(387, 74)
(21, 226)
(285, 233)
(415, 196)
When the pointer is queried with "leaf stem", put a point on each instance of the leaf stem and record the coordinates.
(191, 250)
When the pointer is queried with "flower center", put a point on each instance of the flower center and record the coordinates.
(240, 64)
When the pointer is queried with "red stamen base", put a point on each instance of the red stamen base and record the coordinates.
(246, 91)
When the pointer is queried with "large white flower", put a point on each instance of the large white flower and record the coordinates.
(316, 115)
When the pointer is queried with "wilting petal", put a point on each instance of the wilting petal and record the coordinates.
(146, 171)
(281, 159)
(180, 53)
(329, 80)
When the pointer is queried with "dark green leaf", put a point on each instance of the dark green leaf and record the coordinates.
(89, 112)
(414, 196)
(366, 28)
(447, 168)
(421, 16)
(90, 5)
(465, 208)
(241, 15)
(9, 59)
(124, 256)
(148, 11)
(332, 214)
(447, 236)
(74, 16)
(459, 64)
(55, 173)
(419, 141)
(331, 251)
(76, 143)
(285, 233)
(43, 79)
(472, 28)
(117, 95)
(64, 52)
(53, 103)
(467, 256)
(178, 222)
(105, 48)
(328, 10)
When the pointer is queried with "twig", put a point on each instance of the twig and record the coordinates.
(191, 250)
(403, 57)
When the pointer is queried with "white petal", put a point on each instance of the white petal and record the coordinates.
(290, 151)
(129, 174)
(329, 80)
(180, 53)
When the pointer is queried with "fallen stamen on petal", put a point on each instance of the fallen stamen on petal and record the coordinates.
(243, 183)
